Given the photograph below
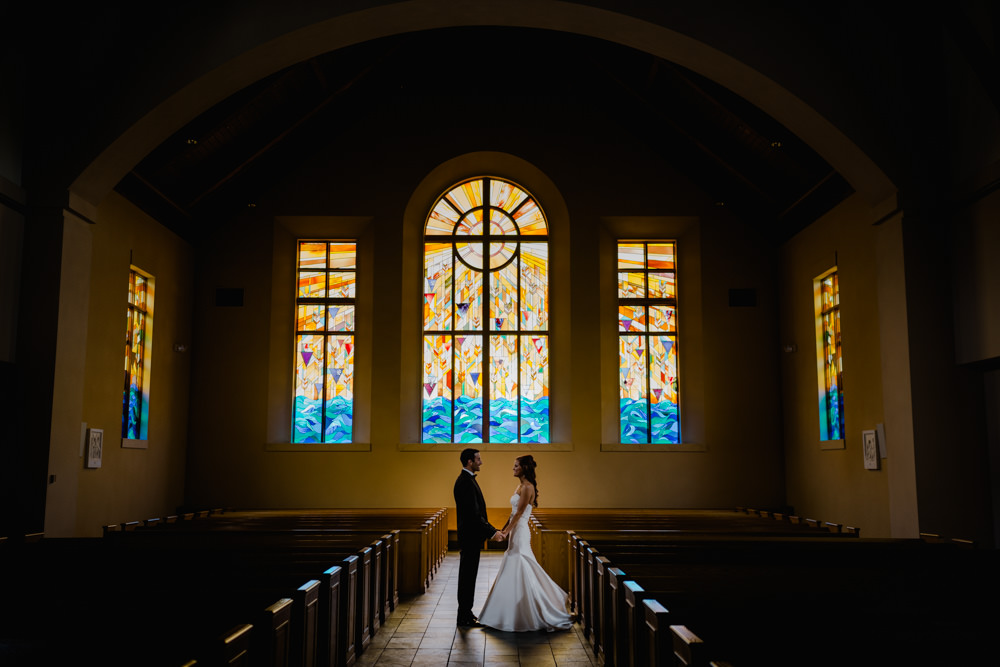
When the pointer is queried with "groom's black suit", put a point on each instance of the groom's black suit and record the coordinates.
(473, 529)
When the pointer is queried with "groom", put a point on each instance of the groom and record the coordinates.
(473, 530)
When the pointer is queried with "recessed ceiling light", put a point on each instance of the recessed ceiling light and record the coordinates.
(775, 144)
(252, 205)
(191, 142)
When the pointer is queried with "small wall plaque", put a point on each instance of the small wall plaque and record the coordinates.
(95, 445)
(869, 443)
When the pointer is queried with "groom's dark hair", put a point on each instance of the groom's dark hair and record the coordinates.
(467, 455)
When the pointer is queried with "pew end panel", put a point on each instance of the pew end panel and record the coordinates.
(572, 544)
(618, 652)
(233, 648)
(362, 612)
(376, 609)
(274, 641)
(689, 650)
(553, 556)
(413, 560)
(635, 623)
(348, 611)
(387, 576)
(329, 604)
(305, 623)
(600, 567)
(660, 644)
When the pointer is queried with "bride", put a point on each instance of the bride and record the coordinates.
(523, 596)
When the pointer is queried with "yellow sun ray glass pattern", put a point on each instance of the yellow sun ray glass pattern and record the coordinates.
(487, 386)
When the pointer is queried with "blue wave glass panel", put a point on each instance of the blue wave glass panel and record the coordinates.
(503, 420)
(535, 420)
(307, 425)
(634, 427)
(339, 420)
(436, 424)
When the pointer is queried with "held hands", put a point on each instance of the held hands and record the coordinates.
(498, 537)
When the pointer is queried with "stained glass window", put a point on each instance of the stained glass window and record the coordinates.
(647, 343)
(486, 316)
(831, 385)
(138, 333)
(324, 342)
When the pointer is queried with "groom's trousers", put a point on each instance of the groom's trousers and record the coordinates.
(468, 569)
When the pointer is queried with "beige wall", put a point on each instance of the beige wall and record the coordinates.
(134, 484)
(729, 364)
(832, 484)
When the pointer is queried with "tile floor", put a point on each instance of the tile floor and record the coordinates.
(421, 630)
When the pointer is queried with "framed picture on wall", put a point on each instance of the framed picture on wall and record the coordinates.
(95, 445)
(869, 443)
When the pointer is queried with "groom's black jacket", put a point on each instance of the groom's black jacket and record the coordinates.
(473, 526)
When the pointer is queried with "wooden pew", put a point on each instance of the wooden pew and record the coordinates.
(859, 567)
(738, 595)
(384, 553)
(276, 569)
(381, 587)
(421, 545)
(549, 527)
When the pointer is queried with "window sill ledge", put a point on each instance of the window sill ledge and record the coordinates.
(130, 443)
(656, 447)
(486, 446)
(832, 444)
(317, 447)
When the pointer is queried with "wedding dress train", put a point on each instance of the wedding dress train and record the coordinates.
(524, 597)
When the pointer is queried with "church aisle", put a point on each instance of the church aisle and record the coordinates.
(421, 631)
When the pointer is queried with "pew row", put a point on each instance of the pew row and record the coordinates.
(812, 593)
(208, 594)
(423, 539)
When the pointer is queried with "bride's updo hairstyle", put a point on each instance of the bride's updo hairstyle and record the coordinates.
(528, 465)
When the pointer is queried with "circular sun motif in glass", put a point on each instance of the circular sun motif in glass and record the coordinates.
(485, 316)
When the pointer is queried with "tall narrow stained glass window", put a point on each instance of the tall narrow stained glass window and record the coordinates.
(647, 343)
(485, 322)
(138, 342)
(831, 368)
(324, 342)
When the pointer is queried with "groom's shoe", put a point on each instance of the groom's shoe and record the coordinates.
(470, 622)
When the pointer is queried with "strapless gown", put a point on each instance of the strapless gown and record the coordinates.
(524, 597)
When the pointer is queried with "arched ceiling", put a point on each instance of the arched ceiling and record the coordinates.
(730, 149)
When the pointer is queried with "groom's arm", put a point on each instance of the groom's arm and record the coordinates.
(486, 528)
(466, 496)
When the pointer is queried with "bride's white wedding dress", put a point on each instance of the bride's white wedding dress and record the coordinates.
(523, 596)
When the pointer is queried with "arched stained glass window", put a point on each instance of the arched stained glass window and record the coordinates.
(486, 316)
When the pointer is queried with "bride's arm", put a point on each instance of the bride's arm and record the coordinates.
(523, 500)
